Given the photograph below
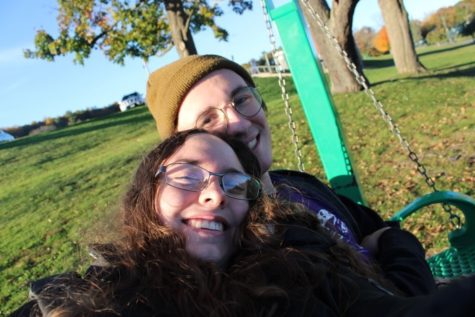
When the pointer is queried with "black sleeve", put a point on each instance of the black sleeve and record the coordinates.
(402, 259)
(454, 300)
(400, 256)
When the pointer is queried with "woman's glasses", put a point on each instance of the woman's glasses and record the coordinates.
(246, 101)
(194, 178)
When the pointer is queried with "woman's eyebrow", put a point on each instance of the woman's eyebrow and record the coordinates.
(189, 161)
(198, 162)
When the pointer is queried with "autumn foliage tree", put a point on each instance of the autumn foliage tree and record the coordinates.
(381, 41)
(364, 39)
(49, 121)
(121, 28)
(440, 26)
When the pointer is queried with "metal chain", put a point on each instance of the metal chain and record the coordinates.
(454, 218)
(283, 90)
(145, 66)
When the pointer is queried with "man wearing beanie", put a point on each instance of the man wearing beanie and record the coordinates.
(216, 94)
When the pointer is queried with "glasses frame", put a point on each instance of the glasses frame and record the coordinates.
(162, 170)
(232, 103)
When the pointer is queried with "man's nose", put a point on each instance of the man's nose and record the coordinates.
(213, 195)
(238, 125)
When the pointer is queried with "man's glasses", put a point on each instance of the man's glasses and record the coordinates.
(194, 178)
(246, 101)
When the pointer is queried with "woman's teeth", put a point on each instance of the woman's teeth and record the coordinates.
(206, 224)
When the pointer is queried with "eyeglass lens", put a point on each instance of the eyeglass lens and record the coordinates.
(246, 101)
(191, 177)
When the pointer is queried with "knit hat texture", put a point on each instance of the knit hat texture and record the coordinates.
(169, 85)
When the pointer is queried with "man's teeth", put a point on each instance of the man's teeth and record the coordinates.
(252, 143)
(206, 224)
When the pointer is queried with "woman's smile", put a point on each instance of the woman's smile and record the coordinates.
(207, 216)
(206, 224)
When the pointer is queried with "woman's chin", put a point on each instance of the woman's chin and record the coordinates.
(210, 254)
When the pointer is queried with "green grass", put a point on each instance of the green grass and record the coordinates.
(435, 112)
(57, 188)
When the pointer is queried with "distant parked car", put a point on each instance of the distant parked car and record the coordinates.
(422, 42)
(130, 101)
(6, 137)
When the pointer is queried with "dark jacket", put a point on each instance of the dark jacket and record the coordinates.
(374, 300)
(400, 256)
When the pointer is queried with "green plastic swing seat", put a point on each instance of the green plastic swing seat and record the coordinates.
(459, 259)
(323, 121)
(453, 263)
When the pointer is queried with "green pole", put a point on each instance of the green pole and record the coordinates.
(316, 100)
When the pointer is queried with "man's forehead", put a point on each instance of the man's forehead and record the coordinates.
(211, 91)
(225, 79)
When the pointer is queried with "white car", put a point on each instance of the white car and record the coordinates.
(130, 101)
(6, 137)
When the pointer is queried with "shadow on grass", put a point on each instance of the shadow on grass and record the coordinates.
(389, 62)
(446, 49)
(465, 66)
(376, 63)
(124, 118)
(447, 72)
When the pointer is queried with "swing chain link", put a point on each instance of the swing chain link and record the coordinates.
(283, 90)
(421, 169)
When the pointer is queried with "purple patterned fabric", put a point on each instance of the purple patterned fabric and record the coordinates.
(328, 219)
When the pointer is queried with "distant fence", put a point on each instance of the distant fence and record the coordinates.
(266, 69)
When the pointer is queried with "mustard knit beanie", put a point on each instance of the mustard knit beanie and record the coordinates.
(168, 86)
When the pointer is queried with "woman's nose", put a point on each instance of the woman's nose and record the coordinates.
(213, 195)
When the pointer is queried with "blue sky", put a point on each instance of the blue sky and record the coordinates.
(35, 89)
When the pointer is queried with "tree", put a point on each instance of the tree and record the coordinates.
(427, 26)
(447, 22)
(364, 39)
(400, 37)
(121, 28)
(339, 21)
(381, 41)
(466, 10)
(468, 28)
(416, 31)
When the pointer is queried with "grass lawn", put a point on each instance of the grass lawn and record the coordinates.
(61, 188)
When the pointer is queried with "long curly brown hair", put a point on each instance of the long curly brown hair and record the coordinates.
(149, 271)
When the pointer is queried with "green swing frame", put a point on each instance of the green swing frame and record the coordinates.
(322, 118)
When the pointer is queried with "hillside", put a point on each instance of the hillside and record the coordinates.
(59, 187)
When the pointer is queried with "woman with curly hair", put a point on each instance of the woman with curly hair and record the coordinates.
(200, 239)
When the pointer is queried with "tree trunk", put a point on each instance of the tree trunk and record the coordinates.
(339, 20)
(179, 27)
(400, 37)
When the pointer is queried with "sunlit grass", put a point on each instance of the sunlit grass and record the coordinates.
(56, 186)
